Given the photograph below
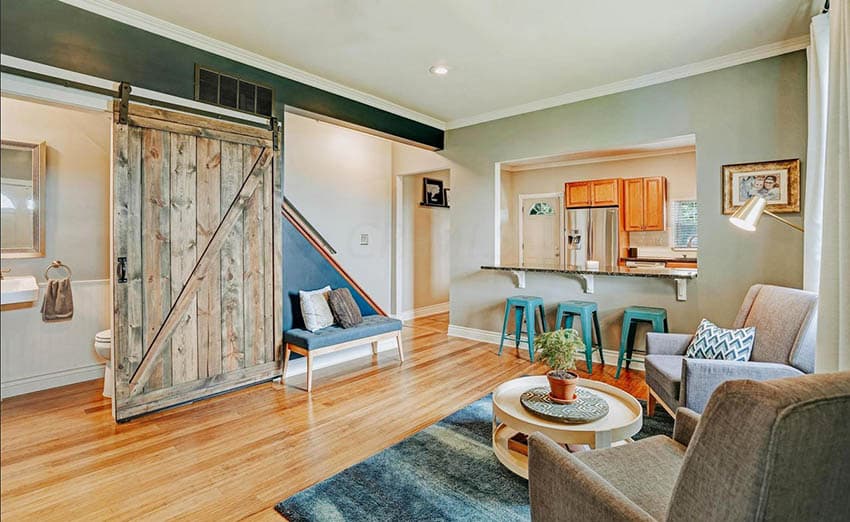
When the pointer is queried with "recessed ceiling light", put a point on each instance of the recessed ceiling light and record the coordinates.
(439, 70)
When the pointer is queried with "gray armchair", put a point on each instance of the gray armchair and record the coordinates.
(784, 347)
(773, 450)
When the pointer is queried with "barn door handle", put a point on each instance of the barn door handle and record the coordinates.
(122, 269)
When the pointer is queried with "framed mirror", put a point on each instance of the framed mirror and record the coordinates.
(22, 168)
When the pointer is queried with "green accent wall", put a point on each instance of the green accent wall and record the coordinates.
(751, 112)
(57, 34)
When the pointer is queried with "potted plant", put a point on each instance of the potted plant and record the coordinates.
(558, 349)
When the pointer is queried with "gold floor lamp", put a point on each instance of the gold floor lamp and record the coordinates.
(748, 215)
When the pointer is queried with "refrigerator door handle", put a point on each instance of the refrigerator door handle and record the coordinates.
(589, 237)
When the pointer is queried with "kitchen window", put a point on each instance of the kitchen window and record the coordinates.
(684, 217)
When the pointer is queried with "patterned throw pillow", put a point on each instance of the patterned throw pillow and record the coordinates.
(315, 309)
(345, 309)
(713, 342)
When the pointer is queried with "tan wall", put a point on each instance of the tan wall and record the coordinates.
(38, 355)
(679, 169)
(425, 246)
(77, 184)
(341, 180)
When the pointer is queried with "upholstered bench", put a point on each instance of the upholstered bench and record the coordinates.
(374, 328)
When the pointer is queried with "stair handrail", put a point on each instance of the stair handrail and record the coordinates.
(304, 222)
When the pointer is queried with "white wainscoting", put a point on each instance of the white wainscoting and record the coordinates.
(36, 355)
(489, 336)
(425, 311)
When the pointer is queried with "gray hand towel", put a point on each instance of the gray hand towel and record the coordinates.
(58, 304)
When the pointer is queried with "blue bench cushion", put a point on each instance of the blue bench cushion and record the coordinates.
(371, 325)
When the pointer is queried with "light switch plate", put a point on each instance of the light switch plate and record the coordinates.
(364, 239)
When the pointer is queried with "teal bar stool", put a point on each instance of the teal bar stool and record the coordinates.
(528, 306)
(633, 315)
(588, 315)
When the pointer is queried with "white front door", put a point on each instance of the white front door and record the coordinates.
(541, 232)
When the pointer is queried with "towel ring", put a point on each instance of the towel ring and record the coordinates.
(56, 264)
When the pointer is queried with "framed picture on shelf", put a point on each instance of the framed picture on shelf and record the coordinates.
(433, 194)
(778, 182)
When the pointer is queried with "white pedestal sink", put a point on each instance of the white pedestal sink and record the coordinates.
(18, 289)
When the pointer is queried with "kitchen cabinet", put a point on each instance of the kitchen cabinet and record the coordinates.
(593, 193)
(645, 204)
(605, 192)
(577, 194)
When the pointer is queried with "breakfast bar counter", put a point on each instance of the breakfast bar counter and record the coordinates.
(680, 275)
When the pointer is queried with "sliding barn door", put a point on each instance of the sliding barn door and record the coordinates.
(196, 246)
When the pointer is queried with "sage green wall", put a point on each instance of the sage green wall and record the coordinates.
(751, 112)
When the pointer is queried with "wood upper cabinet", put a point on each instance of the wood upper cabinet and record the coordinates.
(605, 192)
(654, 203)
(594, 193)
(577, 194)
(645, 204)
(633, 211)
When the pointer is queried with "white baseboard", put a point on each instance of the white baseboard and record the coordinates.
(489, 336)
(424, 311)
(299, 366)
(12, 387)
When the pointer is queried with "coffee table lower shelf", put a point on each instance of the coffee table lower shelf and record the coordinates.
(510, 417)
(515, 461)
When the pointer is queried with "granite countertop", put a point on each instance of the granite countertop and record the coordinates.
(662, 259)
(668, 273)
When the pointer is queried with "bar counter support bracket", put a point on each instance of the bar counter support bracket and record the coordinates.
(588, 283)
(681, 289)
(519, 278)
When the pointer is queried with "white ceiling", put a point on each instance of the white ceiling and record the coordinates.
(502, 53)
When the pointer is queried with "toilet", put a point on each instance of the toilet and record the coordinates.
(103, 347)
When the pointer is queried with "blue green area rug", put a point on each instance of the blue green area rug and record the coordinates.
(445, 472)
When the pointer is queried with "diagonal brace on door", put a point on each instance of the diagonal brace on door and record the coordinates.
(199, 272)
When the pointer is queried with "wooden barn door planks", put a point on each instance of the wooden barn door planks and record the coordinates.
(196, 244)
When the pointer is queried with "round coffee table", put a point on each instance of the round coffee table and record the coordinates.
(624, 419)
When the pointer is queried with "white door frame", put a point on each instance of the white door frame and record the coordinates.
(398, 236)
(521, 213)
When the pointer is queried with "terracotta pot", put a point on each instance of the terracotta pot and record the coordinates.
(562, 385)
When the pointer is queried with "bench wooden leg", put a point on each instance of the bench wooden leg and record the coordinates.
(398, 345)
(374, 347)
(286, 353)
(650, 404)
(309, 372)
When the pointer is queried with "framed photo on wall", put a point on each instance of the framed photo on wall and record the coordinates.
(433, 194)
(778, 182)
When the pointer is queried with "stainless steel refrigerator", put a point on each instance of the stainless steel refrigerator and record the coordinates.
(593, 234)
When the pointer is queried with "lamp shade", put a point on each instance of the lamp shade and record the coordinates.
(748, 215)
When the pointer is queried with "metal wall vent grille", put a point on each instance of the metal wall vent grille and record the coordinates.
(231, 92)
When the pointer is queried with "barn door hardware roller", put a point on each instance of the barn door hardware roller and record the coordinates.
(274, 126)
(124, 102)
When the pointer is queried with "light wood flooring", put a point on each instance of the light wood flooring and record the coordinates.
(235, 456)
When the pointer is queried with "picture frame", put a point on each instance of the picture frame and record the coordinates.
(776, 181)
(433, 193)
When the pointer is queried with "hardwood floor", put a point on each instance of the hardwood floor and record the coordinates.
(236, 455)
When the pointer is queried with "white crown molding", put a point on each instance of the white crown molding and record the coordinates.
(491, 337)
(180, 34)
(602, 159)
(676, 73)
